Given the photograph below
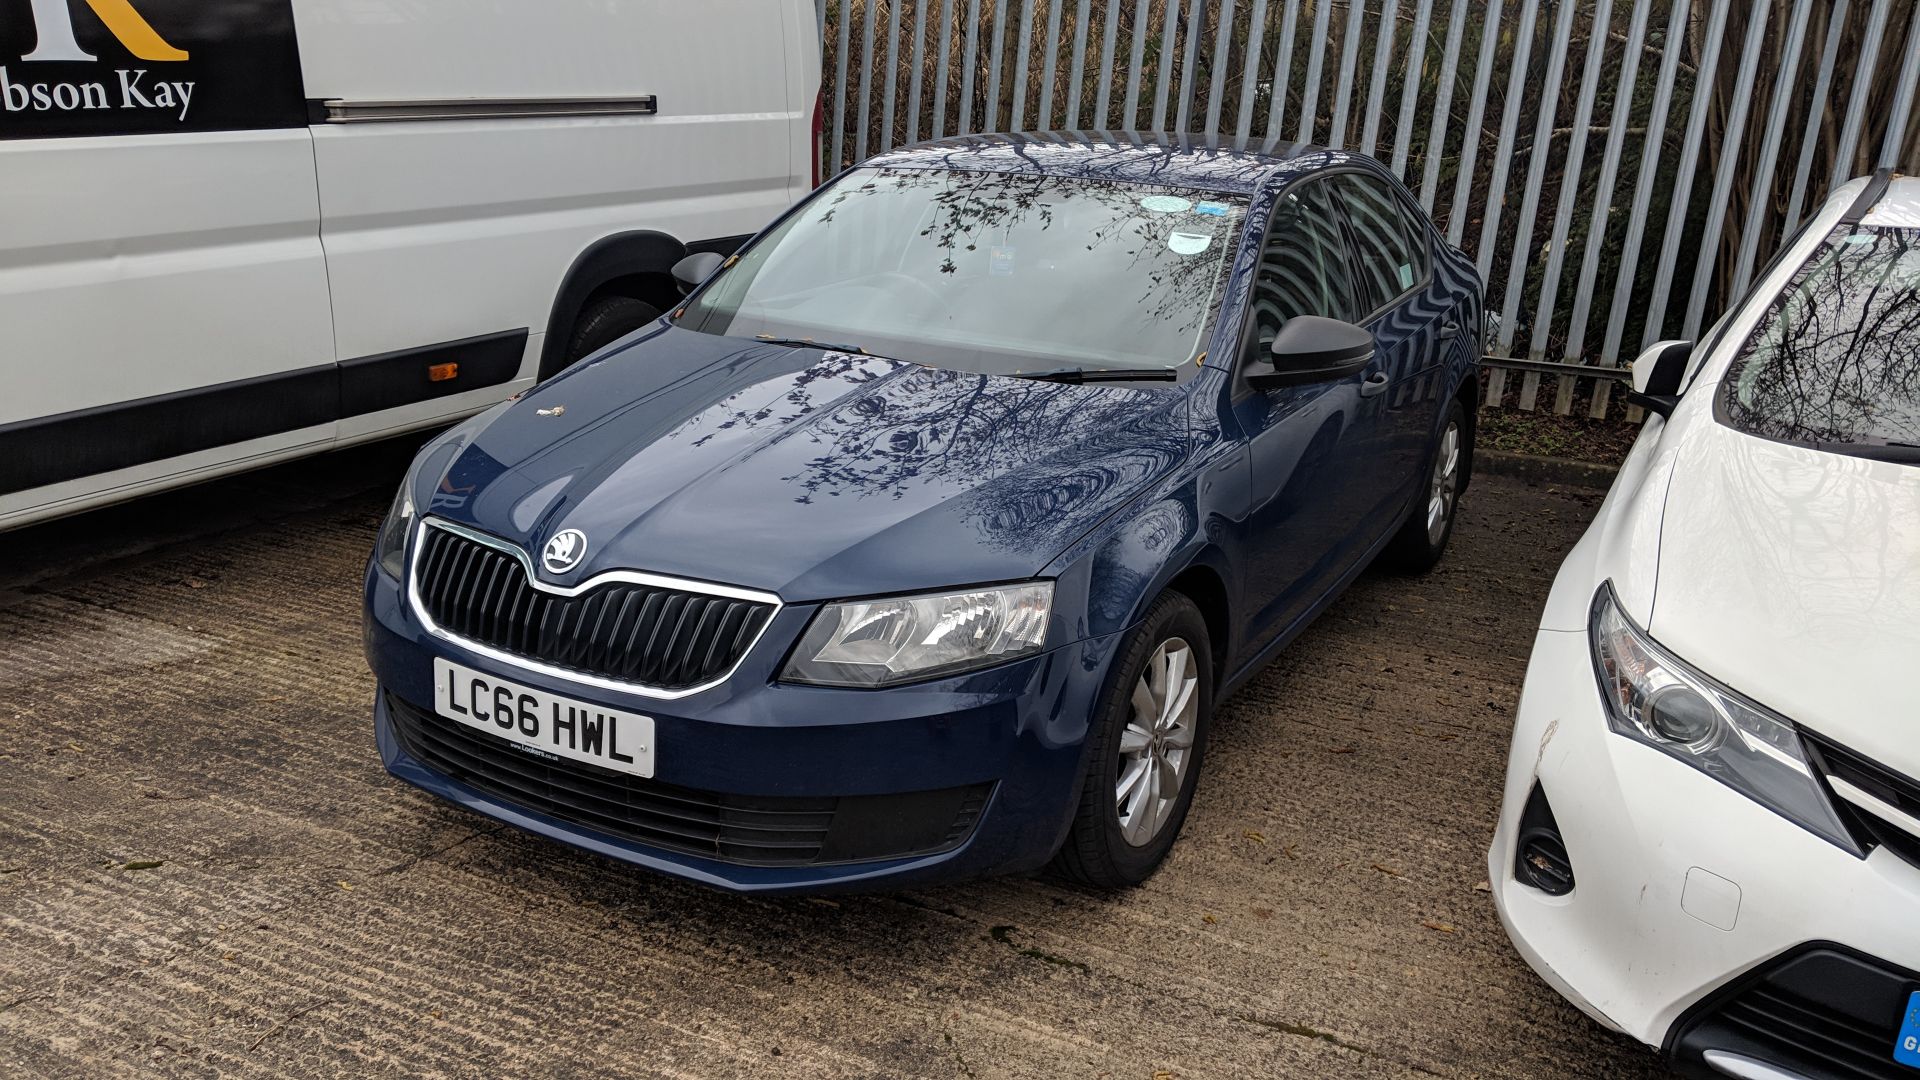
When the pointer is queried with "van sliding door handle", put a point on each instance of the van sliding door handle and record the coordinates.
(1374, 384)
(1449, 331)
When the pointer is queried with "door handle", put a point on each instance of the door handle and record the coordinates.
(1374, 384)
(1449, 331)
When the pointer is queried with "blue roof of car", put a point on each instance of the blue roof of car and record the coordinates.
(1194, 161)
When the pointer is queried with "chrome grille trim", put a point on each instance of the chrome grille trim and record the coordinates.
(1878, 807)
(634, 577)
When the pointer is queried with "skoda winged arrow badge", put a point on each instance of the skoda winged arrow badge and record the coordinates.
(564, 551)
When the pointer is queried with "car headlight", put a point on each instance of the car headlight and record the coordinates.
(1655, 698)
(390, 548)
(904, 639)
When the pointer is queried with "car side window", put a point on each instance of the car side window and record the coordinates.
(1393, 254)
(1303, 266)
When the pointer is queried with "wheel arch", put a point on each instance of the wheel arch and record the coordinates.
(636, 264)
(1203, 584)
(1468, 395)
(1109, 580)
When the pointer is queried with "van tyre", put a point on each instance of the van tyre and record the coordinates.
(605, 320)
(1423, 539)
(1145, 746)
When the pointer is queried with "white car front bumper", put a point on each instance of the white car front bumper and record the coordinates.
(1682, 884)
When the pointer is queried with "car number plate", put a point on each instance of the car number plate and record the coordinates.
(544, 725)
(1906, 1045)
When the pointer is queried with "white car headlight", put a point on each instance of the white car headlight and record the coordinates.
(905, 639)
(390, 549)
(1655, 698)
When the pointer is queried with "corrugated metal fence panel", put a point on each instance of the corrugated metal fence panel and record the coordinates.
(1643, 159)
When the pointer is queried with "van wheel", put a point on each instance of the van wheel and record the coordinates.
(1423, 539)
(605, 320)
(1147, 738)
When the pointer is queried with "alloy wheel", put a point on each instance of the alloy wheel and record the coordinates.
(1446, 483)
(1158, 742)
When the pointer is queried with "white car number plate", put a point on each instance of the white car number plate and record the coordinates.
(541, 724)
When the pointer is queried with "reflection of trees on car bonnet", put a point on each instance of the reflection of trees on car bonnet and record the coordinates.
(1049, 448)
(1030, 459)
(1835, 360)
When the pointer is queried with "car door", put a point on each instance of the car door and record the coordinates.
(1393, 261)
(1308, 500)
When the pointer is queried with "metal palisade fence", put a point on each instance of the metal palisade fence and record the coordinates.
(1619, 169)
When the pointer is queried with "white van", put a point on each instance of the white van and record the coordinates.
(237, 231)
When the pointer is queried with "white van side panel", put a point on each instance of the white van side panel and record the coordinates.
(437, 230)
(138, 266)
(196, 255)
(714, 56)
(238, 248)
(442, 230)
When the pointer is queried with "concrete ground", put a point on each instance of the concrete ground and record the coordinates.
(204, 870)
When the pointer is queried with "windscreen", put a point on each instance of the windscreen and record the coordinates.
(986, 271)
(1835, 363)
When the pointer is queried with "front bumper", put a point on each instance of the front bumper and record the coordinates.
(1013, 736)
(1682, 886)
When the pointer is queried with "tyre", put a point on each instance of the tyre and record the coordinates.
(605, 320)
(1423, 539)
(1145, 746)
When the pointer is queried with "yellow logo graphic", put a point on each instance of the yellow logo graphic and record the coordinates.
(53, 19)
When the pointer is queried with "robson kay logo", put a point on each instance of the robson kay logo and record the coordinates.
(112, 67)
(130, 88)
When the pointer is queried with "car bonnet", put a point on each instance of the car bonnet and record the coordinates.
(1793, 576)
(809, 473)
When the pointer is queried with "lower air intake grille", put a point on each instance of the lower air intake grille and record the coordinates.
(748, 830)
(1822, 1011)
(1540, 854)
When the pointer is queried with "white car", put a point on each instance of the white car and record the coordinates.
(1711, 832)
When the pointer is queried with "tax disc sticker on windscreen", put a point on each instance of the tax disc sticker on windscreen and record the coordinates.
(1188, 243)
(1165, 204)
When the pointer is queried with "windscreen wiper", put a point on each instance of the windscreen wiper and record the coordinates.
(809, 343)
(1087, 375)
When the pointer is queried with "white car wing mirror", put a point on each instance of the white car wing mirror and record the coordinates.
(1658, 374)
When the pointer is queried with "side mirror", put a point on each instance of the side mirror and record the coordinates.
(1657, 375)
(1311, 349)
(693, 271)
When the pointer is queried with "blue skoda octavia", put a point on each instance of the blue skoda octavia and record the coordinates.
(923, 539)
